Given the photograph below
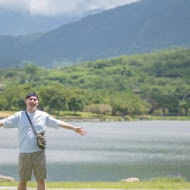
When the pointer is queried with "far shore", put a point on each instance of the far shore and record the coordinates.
(90, 117)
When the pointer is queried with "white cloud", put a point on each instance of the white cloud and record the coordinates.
(17, 5)
(54, 7)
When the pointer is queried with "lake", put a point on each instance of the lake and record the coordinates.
(111, 151)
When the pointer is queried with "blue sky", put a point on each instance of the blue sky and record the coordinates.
(57, 7)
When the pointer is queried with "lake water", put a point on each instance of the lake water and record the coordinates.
(111, 151)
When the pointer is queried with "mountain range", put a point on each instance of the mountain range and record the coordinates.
(15, 23)
(140, 27)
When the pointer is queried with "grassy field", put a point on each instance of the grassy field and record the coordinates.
(84, 116)
(4, 114)
(157, 183)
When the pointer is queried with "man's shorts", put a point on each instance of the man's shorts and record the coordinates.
(35, 162)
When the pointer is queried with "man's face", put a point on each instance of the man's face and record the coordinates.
(32, 102)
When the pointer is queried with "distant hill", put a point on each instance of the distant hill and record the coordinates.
(139, 27)
(155, 83)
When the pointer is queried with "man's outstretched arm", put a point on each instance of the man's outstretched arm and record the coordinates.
(78, 130)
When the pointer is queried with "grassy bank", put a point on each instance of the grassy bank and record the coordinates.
(84, 116)
(157, 183)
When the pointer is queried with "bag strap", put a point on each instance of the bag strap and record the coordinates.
(31, 123)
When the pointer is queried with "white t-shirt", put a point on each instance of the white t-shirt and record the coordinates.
(26, 137)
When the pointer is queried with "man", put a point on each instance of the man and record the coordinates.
(32, 158)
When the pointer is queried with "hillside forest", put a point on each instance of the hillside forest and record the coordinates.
(157, 83)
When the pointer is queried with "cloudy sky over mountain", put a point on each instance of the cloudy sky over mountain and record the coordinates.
(57, 7)
(20, 17)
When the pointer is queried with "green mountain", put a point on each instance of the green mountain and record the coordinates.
(139, 27)
(155, 83)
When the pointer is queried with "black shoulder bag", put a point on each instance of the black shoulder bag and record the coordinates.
(41, 140)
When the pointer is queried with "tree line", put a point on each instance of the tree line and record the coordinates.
(156, 83)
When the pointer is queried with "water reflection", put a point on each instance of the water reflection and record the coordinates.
(111, 151)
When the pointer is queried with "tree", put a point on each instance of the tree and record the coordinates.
(76, 103)
(53, 98)
(57, 102)
(31, 71)
(126, 103)
(165, 102)
(185, 104)
(3, 103)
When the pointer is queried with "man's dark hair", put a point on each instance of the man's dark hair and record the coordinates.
(32, 94)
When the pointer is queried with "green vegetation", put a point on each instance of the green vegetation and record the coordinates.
(157, 183)
(142, 86)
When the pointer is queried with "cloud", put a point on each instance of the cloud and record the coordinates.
(56, 7)
(17, 5)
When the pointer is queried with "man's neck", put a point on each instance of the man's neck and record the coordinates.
(31, 110)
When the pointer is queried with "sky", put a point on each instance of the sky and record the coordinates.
(59, 7)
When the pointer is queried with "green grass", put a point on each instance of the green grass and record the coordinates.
(157, 183)
(68, 115)
(181, 118)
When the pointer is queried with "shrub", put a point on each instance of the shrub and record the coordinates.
(98, 108)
